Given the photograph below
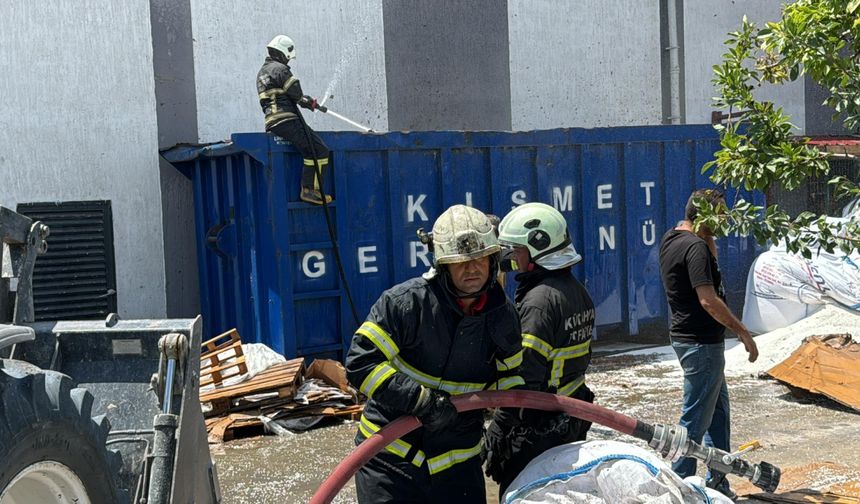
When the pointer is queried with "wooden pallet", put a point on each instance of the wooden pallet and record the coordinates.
(348, 412)
(282, 378)
(221, 358)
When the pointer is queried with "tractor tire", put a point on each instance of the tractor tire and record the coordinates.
(51, 449)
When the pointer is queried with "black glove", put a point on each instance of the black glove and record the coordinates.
(539, 420)
(435, 409)
(496, 450)
(309, 103)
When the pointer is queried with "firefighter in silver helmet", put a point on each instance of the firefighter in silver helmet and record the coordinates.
(447, 332)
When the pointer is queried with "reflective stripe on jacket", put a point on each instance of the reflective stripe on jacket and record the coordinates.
(557, 317)
(416, 335)
(279, 92)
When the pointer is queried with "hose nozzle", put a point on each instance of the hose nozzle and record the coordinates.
(673, 442)
(670, 441)
(767, 476)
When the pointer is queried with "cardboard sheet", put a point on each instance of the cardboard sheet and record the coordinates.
(827, 365)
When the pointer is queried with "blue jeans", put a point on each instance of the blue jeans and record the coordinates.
(706, 400)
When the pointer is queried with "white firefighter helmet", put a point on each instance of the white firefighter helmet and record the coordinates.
(285, 45)
(543, 230)
(462, 234)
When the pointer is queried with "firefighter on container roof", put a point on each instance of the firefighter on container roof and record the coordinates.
(280, 96)
(447, 332)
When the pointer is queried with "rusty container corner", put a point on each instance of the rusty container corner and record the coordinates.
(266, 263)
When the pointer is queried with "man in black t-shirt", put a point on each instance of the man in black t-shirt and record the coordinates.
(694, 289)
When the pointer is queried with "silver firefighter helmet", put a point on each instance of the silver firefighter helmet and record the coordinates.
(462, 234)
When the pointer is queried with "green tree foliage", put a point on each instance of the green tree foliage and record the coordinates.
(818, 38)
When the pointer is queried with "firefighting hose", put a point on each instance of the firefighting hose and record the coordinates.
(670, 441)
(326, 110)
(331, 231)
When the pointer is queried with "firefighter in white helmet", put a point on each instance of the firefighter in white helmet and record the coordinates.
(557, 317)
(280, 96)
(447, 332)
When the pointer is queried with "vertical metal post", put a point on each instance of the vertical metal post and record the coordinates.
(673, 61)
(174, 347)
(168, 386)
(163, 452)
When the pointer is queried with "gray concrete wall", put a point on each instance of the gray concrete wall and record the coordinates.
(446, 65)
(587, 63)
(819, 117)
(483, 64)
(706, 24)
(340, 48)
(78, 122)
(175, 93)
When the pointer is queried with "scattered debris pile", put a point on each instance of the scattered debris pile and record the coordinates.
(778, 345)
(827, 365)
(249, 389)
(806, 496)
(819, 482)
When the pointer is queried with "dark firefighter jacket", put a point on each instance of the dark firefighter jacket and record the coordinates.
(557, 317)
(279, 92)
(417, 335)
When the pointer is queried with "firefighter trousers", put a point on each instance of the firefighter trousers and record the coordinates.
(293, 132)
(390, 479)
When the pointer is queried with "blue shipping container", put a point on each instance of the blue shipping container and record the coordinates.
(266, 262)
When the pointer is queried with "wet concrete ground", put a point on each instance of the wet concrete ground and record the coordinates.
(816, 442)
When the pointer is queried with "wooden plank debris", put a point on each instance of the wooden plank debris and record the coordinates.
(806, 497)
(283, 378)
(226, 428)
(221, 357)
(284, 391)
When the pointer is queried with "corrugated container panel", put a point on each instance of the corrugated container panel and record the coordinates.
(267, 264)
